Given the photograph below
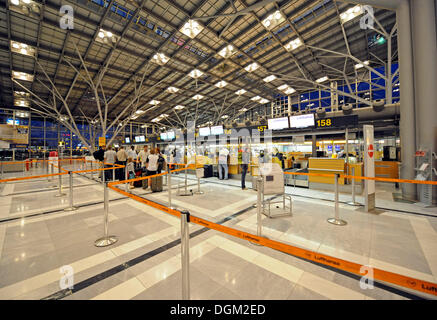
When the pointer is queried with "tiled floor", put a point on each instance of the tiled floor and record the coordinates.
(145, 263)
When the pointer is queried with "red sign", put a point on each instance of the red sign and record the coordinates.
(420, 153)
(370, 150)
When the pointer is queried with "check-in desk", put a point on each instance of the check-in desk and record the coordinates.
(387, 169)
(326, 166)
(332, 166)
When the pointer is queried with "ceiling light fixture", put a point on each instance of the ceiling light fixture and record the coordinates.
(273, 20)
(256, 98)
(240, 92)
(196, 73)
(179, 107)
(227, 51)
(351, 13)
(286, 89)
(263, 101)
(172, 89)
(293, 44)
(106, 37)
(269, 78)
(221, 84)
(198, 97)
(22, 76)
(361, 65)
(22, 48)
(191, 28)
(322, 79)
(252, 67)
(160, 59)
(155, 102)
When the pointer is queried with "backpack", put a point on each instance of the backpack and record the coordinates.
(161, 161)
(99, 155)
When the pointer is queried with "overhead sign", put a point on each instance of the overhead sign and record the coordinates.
(102, 141)
(343, 121)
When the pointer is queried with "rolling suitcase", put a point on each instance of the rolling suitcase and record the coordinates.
(138, 173)
(208, 172)
(156, 184)
(145, 182)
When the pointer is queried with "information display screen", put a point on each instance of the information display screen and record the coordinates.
(344, 121)
(141, 139)
(163, 135)
(278, 123)
(217, 130)
(204, 132)
(170, 135)
(302, 121)
(11, 121)
(127, 140)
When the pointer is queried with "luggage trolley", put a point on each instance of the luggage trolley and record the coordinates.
(273, 184)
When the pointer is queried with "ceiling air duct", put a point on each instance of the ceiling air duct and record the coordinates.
(321, 112)
(347, 108)
(378, 105)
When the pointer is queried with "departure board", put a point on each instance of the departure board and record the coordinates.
(336, 122)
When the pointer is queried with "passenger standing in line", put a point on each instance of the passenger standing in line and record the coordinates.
(132, 154)
(161, 161)
(121, 160)
(142, 156)
(245, 161)
(152, 165)
(110, 158)
(223, 163)
(131, 170)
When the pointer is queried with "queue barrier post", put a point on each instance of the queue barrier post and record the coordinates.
(259, 208)
(106, 240)
(169, 187)
(126, 173)
(71, 207)
(198, 184)
(113, 174)
(337, 221)
(185, 254)
(2, 168)
(353, 202)
(186, 193)
(60, 194)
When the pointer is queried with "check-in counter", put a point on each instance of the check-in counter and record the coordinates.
(326, 166)
(387, 169)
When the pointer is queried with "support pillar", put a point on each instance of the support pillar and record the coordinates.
(425, 77)
(407, 124)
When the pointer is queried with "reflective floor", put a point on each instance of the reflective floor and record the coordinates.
(145, 263)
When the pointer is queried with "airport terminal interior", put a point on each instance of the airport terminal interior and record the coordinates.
(218, 150)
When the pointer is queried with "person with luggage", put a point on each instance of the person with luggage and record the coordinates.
(131, 170)
(152, 165)
(109, 161)
(121, 160)
(223, 163)
(161, 161)
(142, 156)
(245, 160)
(99, 155)
(132, 154)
